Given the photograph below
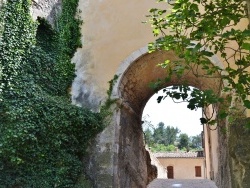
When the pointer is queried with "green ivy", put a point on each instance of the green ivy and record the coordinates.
(43, 137)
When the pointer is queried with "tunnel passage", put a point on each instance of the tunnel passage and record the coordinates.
(134, 169)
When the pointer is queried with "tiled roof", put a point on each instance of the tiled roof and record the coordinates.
(177, 155)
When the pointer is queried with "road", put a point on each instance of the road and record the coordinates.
(172, 183)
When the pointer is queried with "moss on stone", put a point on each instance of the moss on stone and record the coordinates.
(239, 150)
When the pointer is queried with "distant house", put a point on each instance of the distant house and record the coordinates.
(183, 165)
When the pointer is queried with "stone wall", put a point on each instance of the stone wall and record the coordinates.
(100, 156)
(48, 9)
(135, 167)
(1, 3)
(223, 178)
(132, 164)
(239, 152)
(161, 170)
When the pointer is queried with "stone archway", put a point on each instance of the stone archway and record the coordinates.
(132, 91)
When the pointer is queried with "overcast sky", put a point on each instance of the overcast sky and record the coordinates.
(170, 113)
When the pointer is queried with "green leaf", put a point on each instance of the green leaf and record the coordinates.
(197, 47)
(246, 32)
(246, 46)
(203, 120)
(191, 106)
(212, 122)
(247, 104)
(222, 115)
(177, 96)
(153, 10)
(207, 53)
(159, 99)
(247, 125)
(194, 7)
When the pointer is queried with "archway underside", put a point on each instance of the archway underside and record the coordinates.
(134, 169)
(134, 86)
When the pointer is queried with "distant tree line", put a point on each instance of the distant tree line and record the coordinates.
(169, 138)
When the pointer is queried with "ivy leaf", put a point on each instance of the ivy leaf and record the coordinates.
(194, 7)
(207, 53)
(212, 122)
(248, 124)
(184, 96)
(247, 104)
(222, 115)
(159, 99)
(191, 106)
(153, 10)
(203, 120)
(246, 46)
(177, 95)
(197, 47)
(246, 32)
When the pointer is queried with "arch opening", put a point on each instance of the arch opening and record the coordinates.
(173, 134)
(132, 89)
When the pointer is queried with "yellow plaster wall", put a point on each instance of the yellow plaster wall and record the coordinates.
(112, 30)
(211, 146)
(184, 168)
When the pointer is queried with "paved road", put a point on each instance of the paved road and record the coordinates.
(173, 183)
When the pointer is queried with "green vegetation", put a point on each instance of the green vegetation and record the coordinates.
(195, 35)
(43, 137)
(183, 141)
(163, 139)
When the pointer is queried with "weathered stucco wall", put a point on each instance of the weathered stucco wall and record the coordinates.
(184, 168)
(48, 9)
(223, 175)
(112, 30)
(239, 151)
(100, 160)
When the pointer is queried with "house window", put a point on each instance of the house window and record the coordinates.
(197, 171)
(170, 170)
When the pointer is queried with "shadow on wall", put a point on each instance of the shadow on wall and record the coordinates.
(239, 150)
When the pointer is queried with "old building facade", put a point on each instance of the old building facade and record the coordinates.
(183, 165)
(115, 43)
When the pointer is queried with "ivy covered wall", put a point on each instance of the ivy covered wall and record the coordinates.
(43, 137)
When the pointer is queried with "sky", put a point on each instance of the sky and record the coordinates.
(173, 114)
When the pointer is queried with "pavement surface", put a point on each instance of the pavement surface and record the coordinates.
(174, 183)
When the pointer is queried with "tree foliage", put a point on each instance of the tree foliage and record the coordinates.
(197, 30)
(196, 141)
(183, 141)
(43, 137)
(165, 135)
(161, 138)
(167, 139)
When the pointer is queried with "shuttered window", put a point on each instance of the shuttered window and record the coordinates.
(170, 170)
(197, 171)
